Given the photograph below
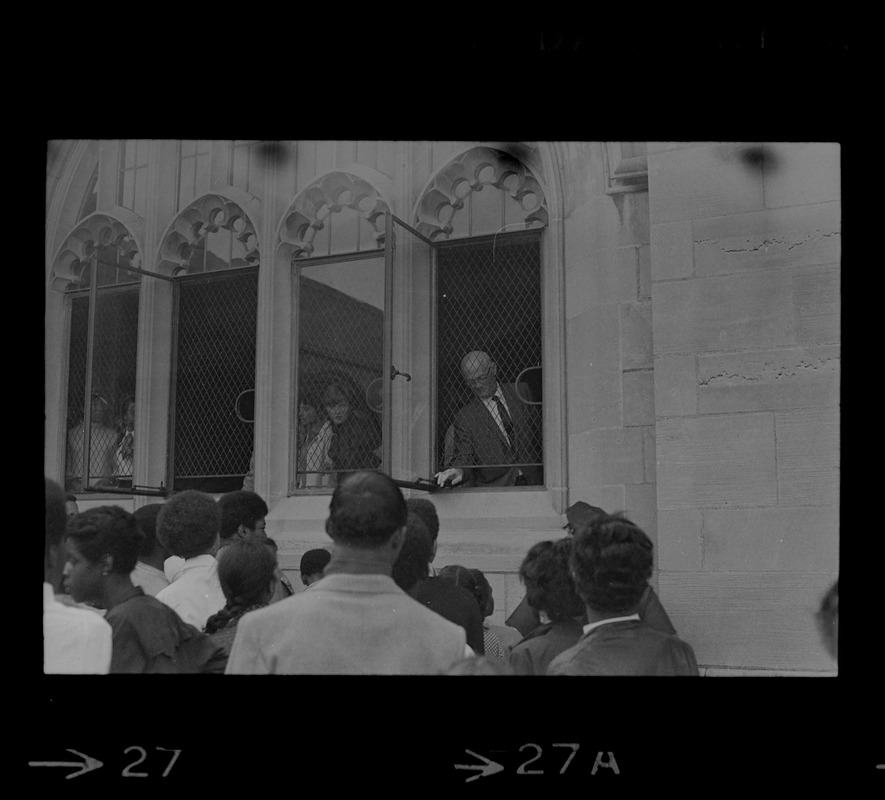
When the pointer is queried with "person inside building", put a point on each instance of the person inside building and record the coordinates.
(314, 437)
(125, 449)
(102, 444)
(356, 439)
(356, 620)
(148, 572)
(247, 573)
(551, 594)
(148, 636)
(75, 640)
(188, 526)
(497, 437)
(313, 562)
(610, 563)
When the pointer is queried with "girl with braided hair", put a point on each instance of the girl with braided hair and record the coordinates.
(247, 573)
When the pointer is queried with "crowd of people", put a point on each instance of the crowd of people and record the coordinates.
(194, 585)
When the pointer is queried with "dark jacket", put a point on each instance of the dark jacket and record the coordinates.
(456, 604)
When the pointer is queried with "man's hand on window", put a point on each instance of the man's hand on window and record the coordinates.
(454, 475)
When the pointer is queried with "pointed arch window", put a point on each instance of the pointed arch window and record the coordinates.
(95, 269)
(211, 250)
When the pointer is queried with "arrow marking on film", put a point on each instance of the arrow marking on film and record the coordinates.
(489, 768)
(88, 764)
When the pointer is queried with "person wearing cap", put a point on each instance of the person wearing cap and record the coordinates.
(497, 436)
(580, 514)
(356, 620)
(313, 562)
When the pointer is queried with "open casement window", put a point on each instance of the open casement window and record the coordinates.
(381, 333)
(214, 334)
(102, 299)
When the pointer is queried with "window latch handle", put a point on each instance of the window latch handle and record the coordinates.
(394, 372)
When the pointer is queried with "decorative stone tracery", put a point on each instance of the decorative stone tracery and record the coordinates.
(326, 196)
(481, 166)
(202, 217)
(96, 231)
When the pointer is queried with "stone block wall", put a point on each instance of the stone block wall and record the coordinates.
(745, 282)
(609, 343)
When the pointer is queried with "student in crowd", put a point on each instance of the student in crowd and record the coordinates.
(526, 619)
(550, 593)
(475, 583)
(148, 636)
(507, 636)
(188, 526)
(71, 505)
(356, 619)
(75, 640)
(456, 604)
(828, 621)
(413, 561)
(247, 573)
(313, 562)
(283, 586)
(427, 512)
(611, 562)
(148, 572)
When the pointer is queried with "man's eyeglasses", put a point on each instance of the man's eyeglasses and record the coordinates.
(479, 379)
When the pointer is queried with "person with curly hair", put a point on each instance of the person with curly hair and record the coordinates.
(551, 593)
(147, 635)
(610, 563)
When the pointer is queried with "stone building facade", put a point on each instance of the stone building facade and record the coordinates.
(688, 303)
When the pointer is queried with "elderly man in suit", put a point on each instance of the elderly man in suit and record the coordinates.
(497, 436)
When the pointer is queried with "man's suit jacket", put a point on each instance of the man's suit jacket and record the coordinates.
(346, 624)
(479, 440)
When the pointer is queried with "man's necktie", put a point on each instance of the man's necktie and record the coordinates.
(505, 418)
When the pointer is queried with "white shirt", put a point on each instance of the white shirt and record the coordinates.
(172, 566)
(75, 640)
(591, 625)
(149, 578)
(195, 592)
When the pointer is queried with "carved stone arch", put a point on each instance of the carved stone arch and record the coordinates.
(446, 192)
(96, 230)
(205, 215)
(328, 194)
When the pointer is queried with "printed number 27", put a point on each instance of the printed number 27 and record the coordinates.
(127, 773)
(522, 767)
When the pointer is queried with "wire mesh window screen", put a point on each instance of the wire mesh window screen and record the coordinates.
(340, 360)
(489, 301)
(215, 362)
(114, 353)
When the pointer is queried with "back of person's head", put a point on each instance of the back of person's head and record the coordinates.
(411, 565)
(828, 620)
(548, 583)
(466, 579)
(611, 563)
(314, 561)
(367, 508)
(483, 593)
(427, 512)
(106, 531)
(56, 519)
(246, 571)
(241, 507)
(188, 524)
(581, 513)
(146, 517)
